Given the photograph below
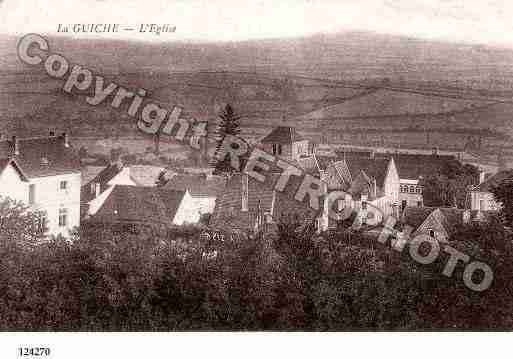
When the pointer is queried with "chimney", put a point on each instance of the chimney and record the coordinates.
(66, 139)
(15, 146)
(244, 193)
(482, 176)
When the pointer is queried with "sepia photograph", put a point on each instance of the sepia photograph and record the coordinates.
(194, 168)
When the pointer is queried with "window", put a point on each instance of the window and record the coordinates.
(43, 222)
(481, 205)
(274, 149)
(279, 149)
(63, 185)
(340, 204)
(412, 189)
(364, 205)
(404, 203)
(432, 233)
(63, 217)
(419, 203)
(32, 194)
(418, 189)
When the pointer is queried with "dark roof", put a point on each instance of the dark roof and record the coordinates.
(45, 156)
(451, 217)
(415, 216)
(4, 162)
(359, 161)
(283, 135)
(493, 181)
(147, 205)
(228, 208)
(228, 211)
(373, 168)
(409, 166)
(413, 166)
(197, 185)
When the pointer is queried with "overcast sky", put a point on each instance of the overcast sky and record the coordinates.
(483, 21)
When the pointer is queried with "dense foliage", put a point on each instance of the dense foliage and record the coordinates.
(449, 187)
(105, 278)
(503, 194)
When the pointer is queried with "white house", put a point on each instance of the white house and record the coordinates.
(44, 174)
(482, 198)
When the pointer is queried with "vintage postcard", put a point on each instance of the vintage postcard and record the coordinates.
(270, 167)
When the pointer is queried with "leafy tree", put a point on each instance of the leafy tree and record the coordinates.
(18, 225)
(503, 193)
(162, 178)
(449, 187)
(228, 125)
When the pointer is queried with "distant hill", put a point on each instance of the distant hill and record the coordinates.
(348, 78)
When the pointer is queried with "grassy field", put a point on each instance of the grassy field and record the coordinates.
(350, 83)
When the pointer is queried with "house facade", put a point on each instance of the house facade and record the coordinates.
(482, 198)
(411, 169)
(371, 186)
(44, 174)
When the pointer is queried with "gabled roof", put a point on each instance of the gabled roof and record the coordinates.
(409, 166)
(413, 166)
(4, 162)
(283, 135)
(228, 208)
(103, 178)
(373, 168)
(145, 205)
(415, 216)
(145, 175)
(197, 185)
(355, 162)
(493, 181)
(449, 218)
(44, 156)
